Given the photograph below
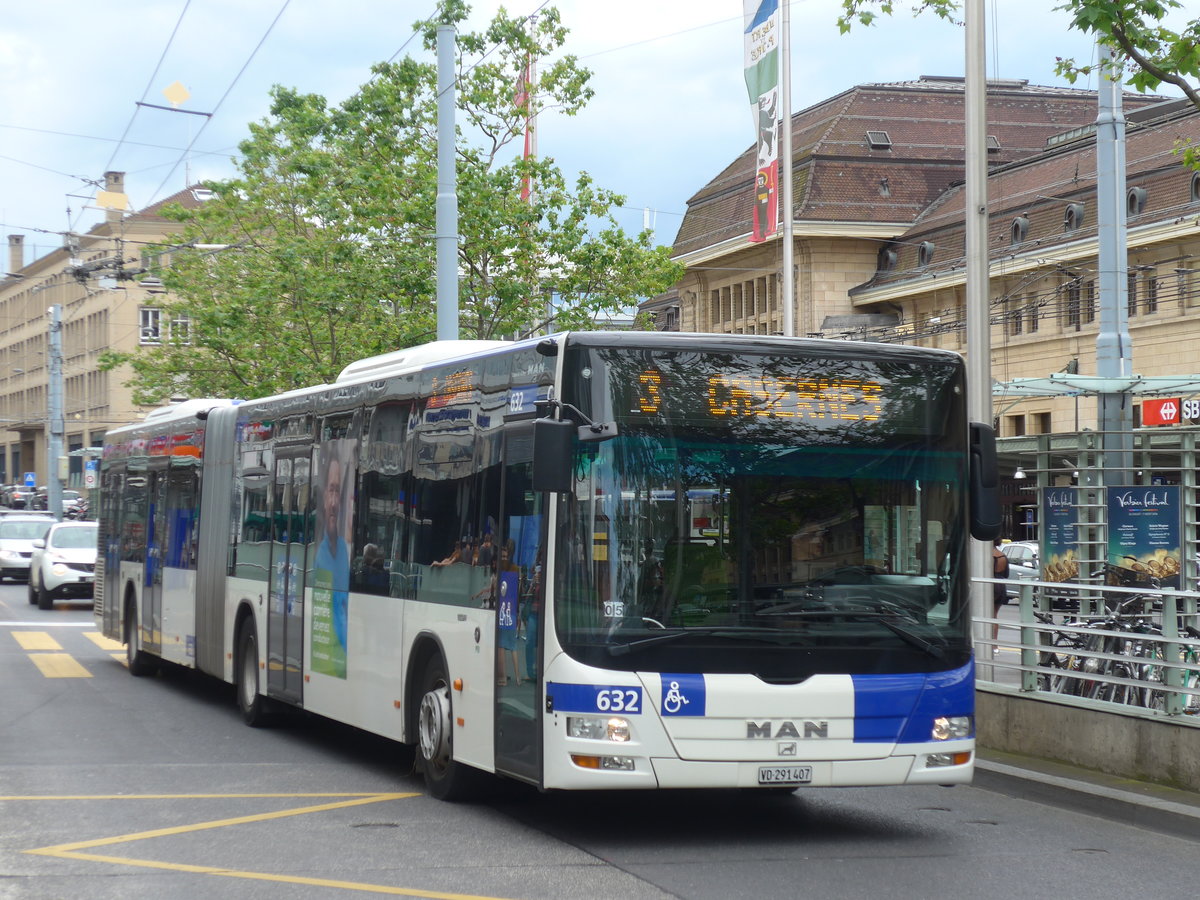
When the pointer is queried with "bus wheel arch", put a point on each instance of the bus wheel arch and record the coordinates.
(137, 659)
(431, 723)
(251, 703)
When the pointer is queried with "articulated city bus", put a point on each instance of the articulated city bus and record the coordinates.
(591, 560)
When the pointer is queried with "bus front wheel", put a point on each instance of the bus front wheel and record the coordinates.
(251, 703)
(445, 778)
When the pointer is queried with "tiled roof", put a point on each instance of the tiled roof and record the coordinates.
(840, 177)
(1039, 189)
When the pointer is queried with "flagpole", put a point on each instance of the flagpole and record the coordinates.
(785, 153)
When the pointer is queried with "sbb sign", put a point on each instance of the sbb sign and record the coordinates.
(1165, 412)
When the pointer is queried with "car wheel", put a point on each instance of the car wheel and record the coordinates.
(44, 599)
(32, 595)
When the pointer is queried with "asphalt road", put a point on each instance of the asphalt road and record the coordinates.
(116, 787)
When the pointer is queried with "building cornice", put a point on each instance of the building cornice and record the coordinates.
(1026, 261)
(871, 231)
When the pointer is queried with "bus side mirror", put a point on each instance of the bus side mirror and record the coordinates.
(553, 453)
(985, 483)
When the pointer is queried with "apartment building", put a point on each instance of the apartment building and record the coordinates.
(108, 300)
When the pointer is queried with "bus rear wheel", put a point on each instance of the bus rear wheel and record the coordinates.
(138, 661)
(445, 778)
(252, 704)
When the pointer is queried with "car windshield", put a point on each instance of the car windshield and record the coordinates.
(29, 530)
(715, 534)
(75, 538)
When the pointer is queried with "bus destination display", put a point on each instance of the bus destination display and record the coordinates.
(737, 395)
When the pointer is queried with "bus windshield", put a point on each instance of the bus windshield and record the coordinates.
(763, 513)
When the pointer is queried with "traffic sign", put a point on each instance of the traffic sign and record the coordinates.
(31, 479)
(89, 473)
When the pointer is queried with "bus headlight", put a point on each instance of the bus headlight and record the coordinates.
(597, 728)
(946, 728)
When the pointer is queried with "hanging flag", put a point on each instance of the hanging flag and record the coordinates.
(523, 98)
(761, 20)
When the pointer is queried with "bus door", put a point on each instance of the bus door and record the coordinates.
(285, 607)
(152, 574)
(520, 577)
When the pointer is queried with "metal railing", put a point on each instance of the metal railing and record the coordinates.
(1128, 650)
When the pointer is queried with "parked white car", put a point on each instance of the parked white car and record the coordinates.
(63, 563)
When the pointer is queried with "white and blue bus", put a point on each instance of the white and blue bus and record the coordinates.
(591, 560)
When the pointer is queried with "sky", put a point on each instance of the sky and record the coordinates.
(670, 109)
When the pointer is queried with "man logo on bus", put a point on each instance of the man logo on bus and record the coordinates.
(787, 729)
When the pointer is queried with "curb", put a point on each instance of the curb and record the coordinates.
(1154, 813)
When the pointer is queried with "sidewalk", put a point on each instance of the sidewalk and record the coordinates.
(1150, 806)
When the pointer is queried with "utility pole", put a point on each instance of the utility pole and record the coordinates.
(785, 161)
(979, 331)
(54, 419)
(1114, 353)
(446, 204)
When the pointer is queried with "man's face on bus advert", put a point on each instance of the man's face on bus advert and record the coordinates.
(333, 499)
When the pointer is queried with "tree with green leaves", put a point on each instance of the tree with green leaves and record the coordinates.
(1133, 29)
(321, 250)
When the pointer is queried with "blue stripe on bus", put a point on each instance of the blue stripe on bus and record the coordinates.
(595, 698)
(901, 708)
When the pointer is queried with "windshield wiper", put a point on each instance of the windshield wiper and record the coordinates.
(889, 620)
(769, 635)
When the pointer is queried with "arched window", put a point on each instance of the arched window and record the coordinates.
(1020, 230)
(925, 253)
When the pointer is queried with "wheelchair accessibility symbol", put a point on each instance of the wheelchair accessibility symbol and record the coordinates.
(682, 694)
(674, 701)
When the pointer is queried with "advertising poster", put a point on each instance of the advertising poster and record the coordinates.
(1144, 536)
(1059, 550)
(331, 569)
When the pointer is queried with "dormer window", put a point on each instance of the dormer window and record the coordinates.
(1195, 189)
(1073, 217)
(1020, 230)
(924, 253)
(993, 144)
(1135, 201)
(879, 140)
(887, 260)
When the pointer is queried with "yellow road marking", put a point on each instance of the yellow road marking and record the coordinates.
(36, 640)
(59, 665)
(288, 796)
(222, 823)
(365, 887)
(101, 641)
(72, 851)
